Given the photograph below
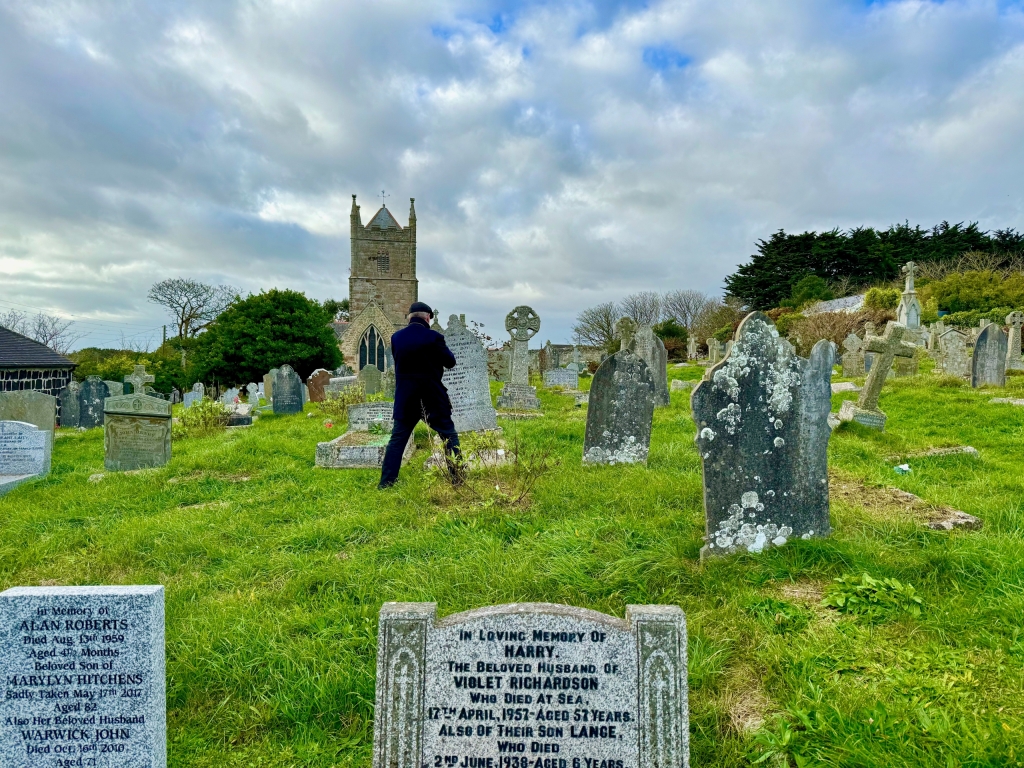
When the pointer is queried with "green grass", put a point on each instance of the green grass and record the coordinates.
(275, 572)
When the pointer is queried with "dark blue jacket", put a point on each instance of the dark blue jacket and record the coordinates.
(420, 359)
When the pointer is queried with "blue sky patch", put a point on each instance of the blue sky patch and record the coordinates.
(664, 57)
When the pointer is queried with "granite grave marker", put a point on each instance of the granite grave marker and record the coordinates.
(316, 382)
(136, 432)
(24, 454)
(92, 396)
(649, 348)
(83, 677)
(70, 405)
(546, 685)
(988, 366)
(1014, 361)
(139, 379)
(467, 383)
(370, 378)
(886, 348)
(30, 406)
(522, 323)
(287, 397)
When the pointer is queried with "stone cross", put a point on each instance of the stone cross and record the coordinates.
(625, 330)
(886, 348)
(908, 269)
(523, 324)
(139, 379)
(1013, 358)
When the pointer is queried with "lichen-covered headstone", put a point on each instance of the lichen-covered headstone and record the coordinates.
(853, 357)
(691, 348)
(531, 685)
(287, 391)
(70, 405)
(467, 384)
(114, 388)
(371, 379)
(316, 382)
(988, 368)
(139, 379)
(649, 348)
(84, 679)
(953, 358)
(762, 434)
(620, 412)
(714, 351)
(91, 397)
(562, 377)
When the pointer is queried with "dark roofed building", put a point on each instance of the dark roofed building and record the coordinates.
(27, 364)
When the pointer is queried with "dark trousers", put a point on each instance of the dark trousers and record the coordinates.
(443, 425)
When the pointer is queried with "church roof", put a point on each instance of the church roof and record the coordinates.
(384, 220)
(17, 351)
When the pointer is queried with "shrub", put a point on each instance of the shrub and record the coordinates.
(971, 318)
(872, 598)
(203, 418)
(882, 298)
(982, 290)
(785, 322)
(335, 404)
(807, 291)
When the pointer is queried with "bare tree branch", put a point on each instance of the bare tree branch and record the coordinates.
(686, 306)
(596, 326)
(643, 307)
(55, 332)
(192, 304)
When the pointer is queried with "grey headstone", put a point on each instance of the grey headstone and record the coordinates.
(70, 405)
(268, 383)
(96, 696)
(621, 411)
(989, 364)
(24, 454)
(370, 378)
(649, 348)
(339, 384)
(115, 388)
(139, 379)
(287, 395)
(30, 406)
(254, 396)
(136, 432)
(229, 397)
(679, 385)
(175, 396)
(92, 397)
(691, 348)
(388, 383)
(618, 688)
(362, 415)
(1014, 361)
(762, 433)
(467, 383)
(561, 377)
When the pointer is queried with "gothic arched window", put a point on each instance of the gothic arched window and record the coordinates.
(371, 350)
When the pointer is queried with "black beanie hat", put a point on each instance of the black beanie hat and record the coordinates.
(419, 306)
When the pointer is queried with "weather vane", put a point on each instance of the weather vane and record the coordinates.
(383, 202)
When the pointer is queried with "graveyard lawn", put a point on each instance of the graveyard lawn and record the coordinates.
(275, 572)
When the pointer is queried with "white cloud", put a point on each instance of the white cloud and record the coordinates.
(572, 153)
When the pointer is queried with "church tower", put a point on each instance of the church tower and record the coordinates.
(382, 284)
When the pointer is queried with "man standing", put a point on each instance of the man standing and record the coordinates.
(420, 359)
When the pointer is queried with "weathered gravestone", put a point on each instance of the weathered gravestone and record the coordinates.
(253, 391)
(869, 357)
(363, 416)
(522, 323)
(886, 348)
(287, 391)
(91, 398)
(388, 383)
(625, 330)
(230, 397)
(25, 451)
(268, 383)
(1014, 362)
(620, 412)
(908, 313)
(618, 688)
(195, 396)
(906, 366)
(364, 443)
(136, 432)
(339, 384)
(853, 357)
(175, 396)
(30, 406)
(97, 698)
(139, 379)
(988, 367)
(70, 405)
(467, 384)
(762, 434)
(316, 382)
(561, 377)
(651, 350)
(953, 358)
(370, 377)
(714, 351)
(691, 348)
(115, 388)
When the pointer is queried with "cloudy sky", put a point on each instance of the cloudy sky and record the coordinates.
(561, 153)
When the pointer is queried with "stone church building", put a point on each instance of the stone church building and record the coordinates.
(382, 284)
